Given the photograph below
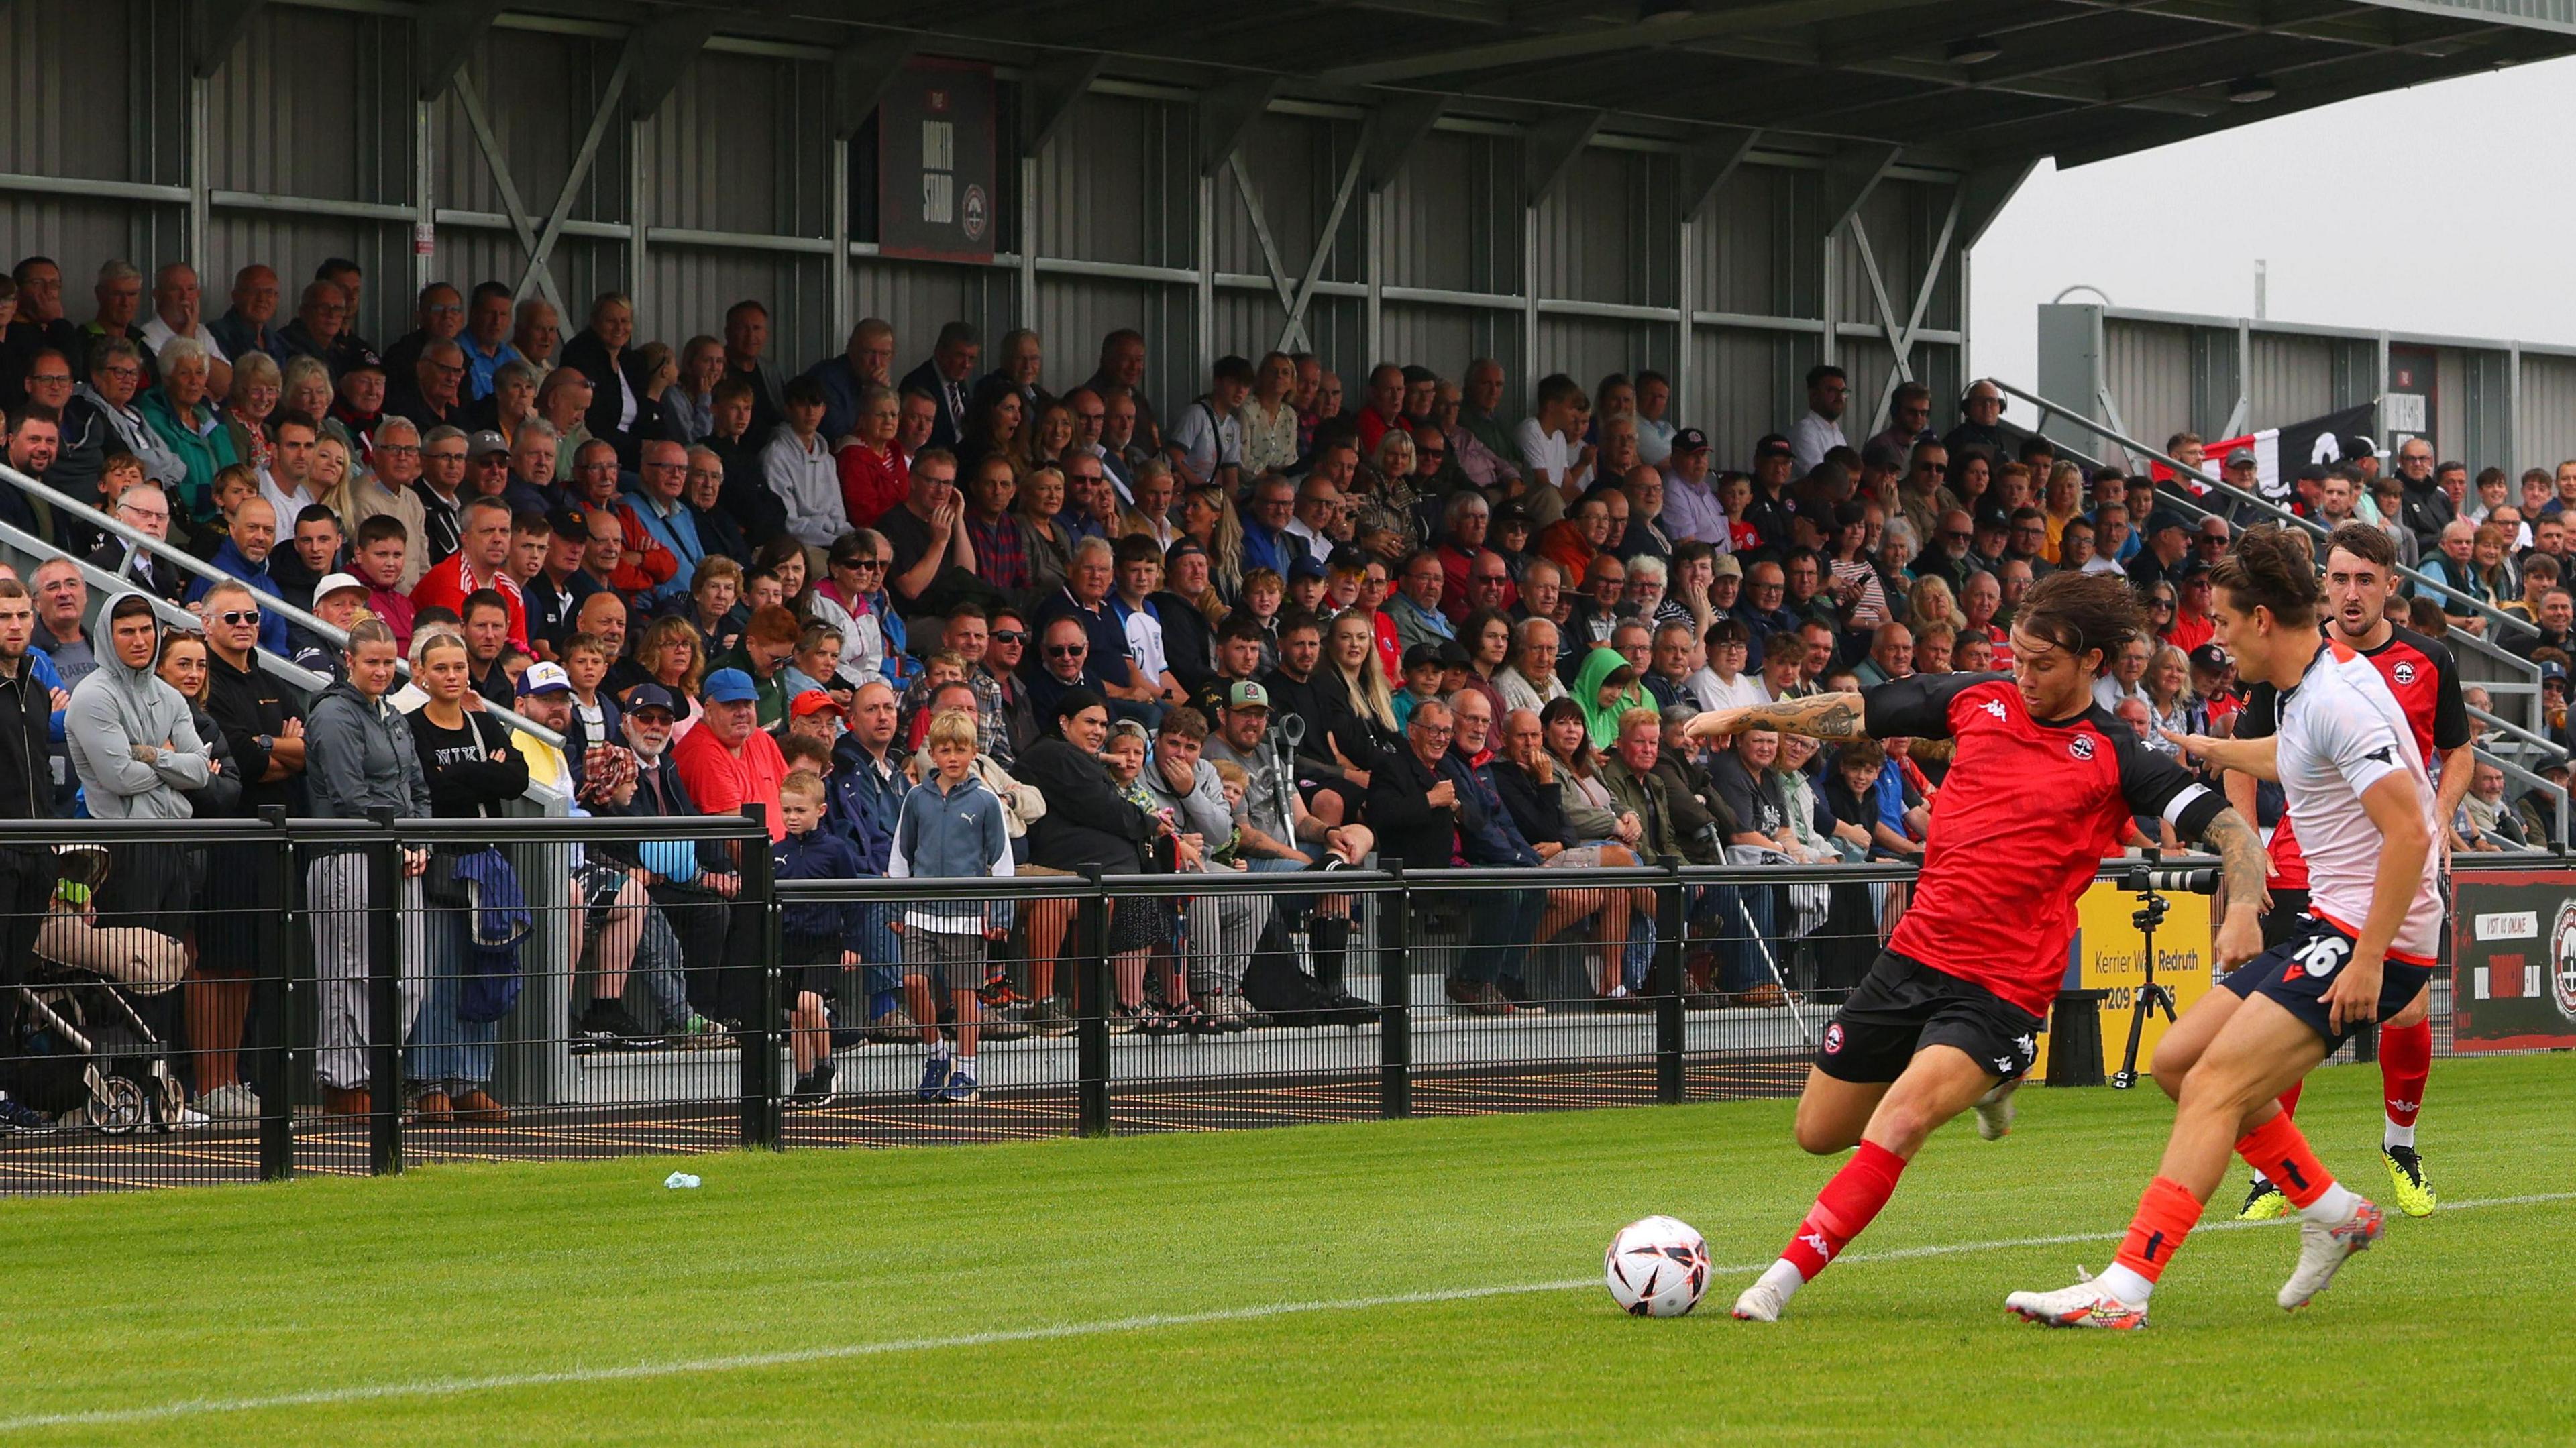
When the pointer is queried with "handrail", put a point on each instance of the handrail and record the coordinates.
(2230, 490)
(2516, 730)
(189, 563)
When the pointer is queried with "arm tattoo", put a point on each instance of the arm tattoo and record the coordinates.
(2240, 853)
(1819, 716)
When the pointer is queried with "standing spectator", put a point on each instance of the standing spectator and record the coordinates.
(480, 562)
(471, 770)
(619, 413)
(27, 873)
(953, 826)
(729, 763)
(359, 755)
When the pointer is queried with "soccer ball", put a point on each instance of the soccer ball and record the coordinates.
(1656, 1267)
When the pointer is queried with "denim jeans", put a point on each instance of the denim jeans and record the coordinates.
(445, 1052)
(1500, 926)
(1740, 946)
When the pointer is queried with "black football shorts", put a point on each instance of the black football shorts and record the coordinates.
(1904, 1005)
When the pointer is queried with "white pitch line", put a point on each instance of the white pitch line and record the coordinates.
(450, 1387)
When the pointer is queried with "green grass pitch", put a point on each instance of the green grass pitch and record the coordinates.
(1399, 1283)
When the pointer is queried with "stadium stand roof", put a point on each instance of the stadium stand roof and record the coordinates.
(1983, 80)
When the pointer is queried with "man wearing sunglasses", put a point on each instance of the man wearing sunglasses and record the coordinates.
(256, 715)
(1006, 643)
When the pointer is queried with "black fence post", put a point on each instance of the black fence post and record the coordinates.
(1669, 985)
(761, 1110)
(1091, 1010)
(384, 996)
(1395, 999)
(272, 1072)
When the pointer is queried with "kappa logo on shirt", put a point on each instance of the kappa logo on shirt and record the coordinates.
(2081, 746)
(1994, 707)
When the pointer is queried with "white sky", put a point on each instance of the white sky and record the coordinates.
(2445, 208)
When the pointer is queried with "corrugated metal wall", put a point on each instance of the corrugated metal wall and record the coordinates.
(316, 104)
(2545, 434)
(2166, 374)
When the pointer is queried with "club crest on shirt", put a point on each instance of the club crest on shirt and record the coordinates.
(1834, 1039)
(2404, 673)
(2081, 746)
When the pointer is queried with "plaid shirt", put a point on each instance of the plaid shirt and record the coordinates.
(1001, 555)
(912, 710)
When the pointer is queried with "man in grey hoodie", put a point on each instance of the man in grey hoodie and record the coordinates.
(358, 754)
(137, 756)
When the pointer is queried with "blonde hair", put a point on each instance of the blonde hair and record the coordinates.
(952, 726)
(804, 784)
(1232, 773)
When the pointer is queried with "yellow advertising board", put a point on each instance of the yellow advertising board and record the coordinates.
(2109, 951)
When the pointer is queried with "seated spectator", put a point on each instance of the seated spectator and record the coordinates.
(1435, 814)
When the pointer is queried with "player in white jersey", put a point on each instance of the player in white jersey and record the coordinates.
(2346, 759)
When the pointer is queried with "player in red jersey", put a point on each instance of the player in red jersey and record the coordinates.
(2361, 575)
(2042, 786)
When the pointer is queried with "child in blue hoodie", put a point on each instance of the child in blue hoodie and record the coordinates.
(950, 826)
(815, 938)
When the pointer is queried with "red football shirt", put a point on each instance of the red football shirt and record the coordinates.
(2021, 825)
(2425, 679)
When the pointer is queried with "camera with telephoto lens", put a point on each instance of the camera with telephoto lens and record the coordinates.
(2150, 878)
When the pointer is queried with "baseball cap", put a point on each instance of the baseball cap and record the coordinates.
(2210, 657)
(569, 522)
(812, 701)
(365, 361)
(332, 583)
(545, 678)
(1347, 559)
(2359, 445)
(1453, 654)
(1510, 513)
(726, 686)
(1848, 513)
(1773, 445)
(2163, 518)
(1422, 655)
(1305, 566)
(1245, 694)
(2194, 568)
(2237, 455)
(2553, 672)
(486, 442)
(1690, 439)
(649, 696)
(1727, 566)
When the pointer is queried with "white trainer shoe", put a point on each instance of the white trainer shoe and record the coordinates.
(1761, 1302)
(2086, 1304)
(2324, 1249)
(1995, 1111)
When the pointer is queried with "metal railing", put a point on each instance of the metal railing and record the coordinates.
(1656, 983)
(198, 568)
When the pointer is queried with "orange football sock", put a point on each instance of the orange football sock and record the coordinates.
(2279, 1150)
(2167, 1211)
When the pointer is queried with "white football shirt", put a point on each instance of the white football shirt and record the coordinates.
(2342, 731)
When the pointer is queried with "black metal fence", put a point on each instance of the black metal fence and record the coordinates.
(243, 1000)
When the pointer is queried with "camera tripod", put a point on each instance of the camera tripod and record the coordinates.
(2146, 879)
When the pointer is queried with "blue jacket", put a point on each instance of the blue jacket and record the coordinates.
(952, 834)
(1487, 835)
(860, 804)
(820, 855)
(272, 624)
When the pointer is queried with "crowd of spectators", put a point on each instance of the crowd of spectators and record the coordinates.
(1457, 620)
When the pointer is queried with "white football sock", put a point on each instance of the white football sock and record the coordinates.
(2261, 1180)
(1782, 1277)
(2331, 1206)
(2125, 1285)
(2392, 1134)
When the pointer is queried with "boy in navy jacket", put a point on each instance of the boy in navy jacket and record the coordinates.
(815, 937)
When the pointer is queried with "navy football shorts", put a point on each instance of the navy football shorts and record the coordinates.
(2298, 971)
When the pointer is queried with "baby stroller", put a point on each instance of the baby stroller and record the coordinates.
(84, 1050)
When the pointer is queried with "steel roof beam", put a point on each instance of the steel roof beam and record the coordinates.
(1735, 19)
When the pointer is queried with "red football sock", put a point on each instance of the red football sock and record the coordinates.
(2290, 1098)
(2280, 1152)
(2405, 1062)
(2167, 1211)
(1844, 1208)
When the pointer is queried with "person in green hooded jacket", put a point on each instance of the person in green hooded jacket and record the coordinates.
(1606, 688)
